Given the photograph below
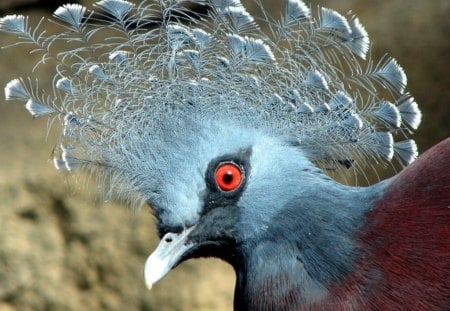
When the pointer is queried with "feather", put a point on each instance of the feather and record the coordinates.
(304, 108)
(295, 11)
(59, 164)
(406, 150)
(410, 113)
(15, 90)
(69, 123)
(391, 74)
(240, 18)
(71, 14)
(118, 57)
(276, 100)
(340, 100)
(98, 72)
(14, 24)
(322, 107)
(250, 49)
(116, 8)
(382, 145)
(202, 38)
(223, 4)
(359, 41)
(193, 57)
(256, 51)
(316, 79)
(38, 109)
(294, 96)
(65, 85)
(237, 43)
(224, 62)
(332, 20)
(389, 114)
(353, 122)
(178, 36)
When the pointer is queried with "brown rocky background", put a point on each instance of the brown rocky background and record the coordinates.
(63, 249)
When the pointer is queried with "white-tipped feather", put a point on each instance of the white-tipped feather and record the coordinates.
(340, 100)
(68, 159)
(359, 41)
(179, 36)
(65, 84)
(14, 24)
(59, 164)
(224, 62)
(389, 114)
(256, 51)
(116, 8)
(410, 112)
(237, 43)
(193, 57)
(69, 123)
(393, 75)
(316, 79)
(223, 4)
(406, 150)
(118, 57)
(353, 121)
(304, 108)
(71, 14)
(276, 100)
(38, 109)
(332, 20)
(15, 90)
(202, 38)
(383, 145)
(239, 17)
(296, 11)
(98, 72)
(322, 107)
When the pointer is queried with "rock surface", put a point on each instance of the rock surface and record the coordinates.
(62, 249)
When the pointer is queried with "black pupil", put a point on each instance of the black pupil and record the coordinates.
(227, 177)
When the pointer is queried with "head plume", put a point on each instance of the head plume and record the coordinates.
(126, 74)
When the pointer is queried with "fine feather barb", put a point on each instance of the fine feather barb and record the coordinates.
(122, 67)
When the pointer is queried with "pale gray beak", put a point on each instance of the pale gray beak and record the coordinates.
(168, 253)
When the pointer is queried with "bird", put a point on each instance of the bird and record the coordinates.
(232, 128)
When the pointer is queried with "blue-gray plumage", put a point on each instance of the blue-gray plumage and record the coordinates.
(227, 132)
(288, 221)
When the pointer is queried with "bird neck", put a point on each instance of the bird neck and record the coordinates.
(306, 250)
(275, 280)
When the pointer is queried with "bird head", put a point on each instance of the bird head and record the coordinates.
(230, 183)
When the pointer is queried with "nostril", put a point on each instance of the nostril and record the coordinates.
(168, 239)
(164, 229)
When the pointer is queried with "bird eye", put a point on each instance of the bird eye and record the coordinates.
(228, 176)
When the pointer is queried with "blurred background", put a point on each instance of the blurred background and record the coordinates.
(63, 249)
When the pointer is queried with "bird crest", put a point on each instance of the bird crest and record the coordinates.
(125, 74)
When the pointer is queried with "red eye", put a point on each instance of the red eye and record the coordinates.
(228, 176)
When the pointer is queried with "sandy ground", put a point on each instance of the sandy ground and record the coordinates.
(61, 249)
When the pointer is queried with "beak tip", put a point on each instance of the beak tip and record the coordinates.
(149, 285)
(149, 273)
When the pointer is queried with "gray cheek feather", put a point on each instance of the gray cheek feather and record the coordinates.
(275, 176)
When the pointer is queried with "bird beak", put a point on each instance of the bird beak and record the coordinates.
(166, 256)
